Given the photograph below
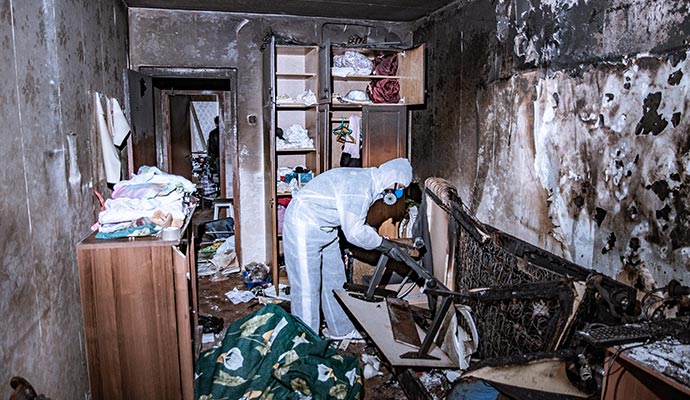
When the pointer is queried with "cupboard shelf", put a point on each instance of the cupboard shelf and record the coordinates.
(295, 75)
(296, 106)
(365, 77)
(409, 74)
(295, 151)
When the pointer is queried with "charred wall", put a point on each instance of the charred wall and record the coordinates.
(563, 123)
(54, 55)
(230, 40)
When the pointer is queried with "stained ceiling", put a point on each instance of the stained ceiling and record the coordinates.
(386, 10)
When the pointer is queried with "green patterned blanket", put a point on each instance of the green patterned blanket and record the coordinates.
(271, 355)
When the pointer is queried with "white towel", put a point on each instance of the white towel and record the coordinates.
(119, 125)
(111, 158)
(353, 148)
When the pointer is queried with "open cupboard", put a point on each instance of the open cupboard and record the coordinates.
(405, 68)
(302, 103)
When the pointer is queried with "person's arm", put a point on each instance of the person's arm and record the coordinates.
(352, 211)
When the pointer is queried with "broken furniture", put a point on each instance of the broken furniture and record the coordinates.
(525, 303)
(139, 308)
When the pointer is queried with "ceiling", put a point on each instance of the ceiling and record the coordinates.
(386, 10)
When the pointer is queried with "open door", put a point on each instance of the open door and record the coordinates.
(142, 141)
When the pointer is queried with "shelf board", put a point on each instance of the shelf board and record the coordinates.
(295, 75)
(283, 194)
(365, 77)
(294, 151)
(295, 105)
(359, 105)
(291, 49)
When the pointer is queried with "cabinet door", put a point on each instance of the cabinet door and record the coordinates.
(385, 134)
(411, 72)
(324, 131)
(385, 138)
(269, 119)
(130, 320)
(324, 94)
(140, 96)
(185, 324)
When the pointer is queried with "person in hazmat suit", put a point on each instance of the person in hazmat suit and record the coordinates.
(339, 197)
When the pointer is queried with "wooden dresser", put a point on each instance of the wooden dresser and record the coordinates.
(139, 307)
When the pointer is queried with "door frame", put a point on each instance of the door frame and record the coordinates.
(227, 101)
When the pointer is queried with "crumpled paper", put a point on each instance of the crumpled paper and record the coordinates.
(239, 296)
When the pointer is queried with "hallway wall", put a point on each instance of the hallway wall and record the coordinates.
(563, 122)
(53, 55)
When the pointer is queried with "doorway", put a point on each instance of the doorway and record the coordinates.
(172, 111)
(195, 148)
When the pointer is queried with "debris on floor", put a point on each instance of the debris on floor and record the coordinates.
(218, 259)
(239, 296)
(371, 366)
(435, 383)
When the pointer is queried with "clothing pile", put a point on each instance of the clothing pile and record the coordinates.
(351, 63)
(150, 201)
(295, 137)
(307, 98)
(290, 180)
(385, 90)
(282, 206)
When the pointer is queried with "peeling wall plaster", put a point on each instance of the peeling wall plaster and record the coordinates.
(559, 129)
(552, 31)
(610, 153)
(622, 159)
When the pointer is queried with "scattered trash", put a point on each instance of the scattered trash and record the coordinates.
(211, 324)
(207, 338)
(256, 274)
(371, 366)
(239, 296)
(435, 383)
(283, 292)
(452, 375)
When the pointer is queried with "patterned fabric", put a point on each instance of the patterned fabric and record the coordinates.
(271, 355)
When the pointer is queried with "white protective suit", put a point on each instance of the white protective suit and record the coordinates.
(339, 197)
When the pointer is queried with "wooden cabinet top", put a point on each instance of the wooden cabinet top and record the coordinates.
(90, 242)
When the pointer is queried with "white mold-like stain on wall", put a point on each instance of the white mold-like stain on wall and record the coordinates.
(616, 145)
(593, 165)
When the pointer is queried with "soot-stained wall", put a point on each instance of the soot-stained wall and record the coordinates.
(564, 123)
(53, 56)
(229, 40)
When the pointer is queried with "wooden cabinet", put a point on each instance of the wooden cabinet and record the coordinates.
(138, 303)
(290, 71)
(628, 379)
